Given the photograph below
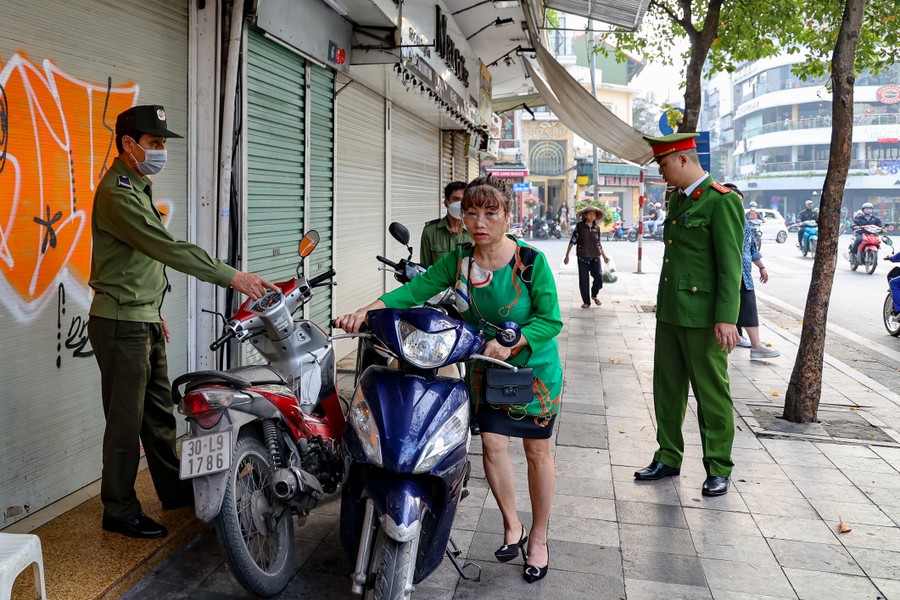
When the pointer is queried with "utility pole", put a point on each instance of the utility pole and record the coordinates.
(590, 48)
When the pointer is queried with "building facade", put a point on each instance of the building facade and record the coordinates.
(771, 133)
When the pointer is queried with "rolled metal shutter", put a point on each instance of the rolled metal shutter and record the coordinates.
(359, 208)
(415, 173)
(446, 158)
(320, 194)
(460, 165)
(63, 79)
(276, 97)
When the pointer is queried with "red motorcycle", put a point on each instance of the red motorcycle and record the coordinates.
(867, 253)
(264, 440)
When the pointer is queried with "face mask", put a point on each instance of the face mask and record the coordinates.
(867, 212)
(154, 161)
(455, 210)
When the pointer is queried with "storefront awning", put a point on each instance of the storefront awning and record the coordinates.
(582, 113)
(624, 13)
(502, 105)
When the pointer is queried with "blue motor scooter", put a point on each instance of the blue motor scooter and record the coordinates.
(406, 444)
(810, 238)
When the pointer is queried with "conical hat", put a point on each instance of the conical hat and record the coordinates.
(591, 207)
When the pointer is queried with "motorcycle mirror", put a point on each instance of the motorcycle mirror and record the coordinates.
(308, 243)
(399, 232)
(217, 313)
(888, 241)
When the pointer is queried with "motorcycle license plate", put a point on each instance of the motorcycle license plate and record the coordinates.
(205, 454)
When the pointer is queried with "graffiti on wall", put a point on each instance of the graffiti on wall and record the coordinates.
(56, 142)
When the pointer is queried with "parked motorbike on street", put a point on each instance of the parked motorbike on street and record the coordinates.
(867, 253)
(620, 232)
(264, 440)
(891, 318)
(810, 239)
(406, 449)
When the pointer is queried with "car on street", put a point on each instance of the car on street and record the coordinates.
(773, 227)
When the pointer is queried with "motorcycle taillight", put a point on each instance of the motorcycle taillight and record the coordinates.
(194, 406)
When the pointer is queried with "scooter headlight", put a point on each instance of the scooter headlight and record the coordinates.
(363, 423)
(450, 435)
(425, 350)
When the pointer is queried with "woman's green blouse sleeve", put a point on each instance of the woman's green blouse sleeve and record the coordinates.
(437, 278)
(545, 305)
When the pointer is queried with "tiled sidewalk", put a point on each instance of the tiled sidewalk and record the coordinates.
(774, 535)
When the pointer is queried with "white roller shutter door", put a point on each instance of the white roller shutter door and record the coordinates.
(359, 200)
(416, 193)
(67, 68)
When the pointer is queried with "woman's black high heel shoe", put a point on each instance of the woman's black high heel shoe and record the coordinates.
(507, 552)
(532, 574)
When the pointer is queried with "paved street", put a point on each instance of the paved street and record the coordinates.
(773, 536)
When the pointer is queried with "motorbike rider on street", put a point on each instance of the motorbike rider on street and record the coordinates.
(894, 283)
(866, 218)
(808, 214)
(752, 215)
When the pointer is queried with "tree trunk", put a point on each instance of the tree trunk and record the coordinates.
(801, 403)
(701, 42)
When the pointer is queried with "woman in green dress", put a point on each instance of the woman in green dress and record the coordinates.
(499, 278)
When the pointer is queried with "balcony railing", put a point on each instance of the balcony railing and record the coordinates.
(804, 166)
(816, 122)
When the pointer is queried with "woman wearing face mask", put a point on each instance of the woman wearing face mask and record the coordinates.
(505, 280)
(442, 236)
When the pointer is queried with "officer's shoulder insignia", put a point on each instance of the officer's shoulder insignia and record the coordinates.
(433, 222)
(124, 182)
(723, 189)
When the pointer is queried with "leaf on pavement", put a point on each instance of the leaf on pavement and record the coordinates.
(775, 393)
(844, 528)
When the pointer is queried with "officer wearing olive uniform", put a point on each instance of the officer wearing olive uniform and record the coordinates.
(442, 236)
(697, 307)
(131, 249)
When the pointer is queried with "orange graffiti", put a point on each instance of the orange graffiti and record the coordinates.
(57, 140)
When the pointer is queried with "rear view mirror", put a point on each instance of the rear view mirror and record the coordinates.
(888, 241)
(399, 232)
(308, 243)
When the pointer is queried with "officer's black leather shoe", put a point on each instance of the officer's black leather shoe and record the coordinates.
(715, 486)
(140, 526)
(656, 470)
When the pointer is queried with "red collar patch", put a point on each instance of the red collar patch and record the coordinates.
(697, 193)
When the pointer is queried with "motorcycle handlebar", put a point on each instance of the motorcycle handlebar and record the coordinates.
(319, 279)
(389, 263)
(222, 339)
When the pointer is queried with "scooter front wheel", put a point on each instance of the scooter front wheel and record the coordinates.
(255, 530)
(392, 563)
(632, 236)
(892, 326)
(871, 260)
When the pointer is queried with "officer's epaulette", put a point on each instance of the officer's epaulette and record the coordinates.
(124, 182)
(433, 222)
(723, 189)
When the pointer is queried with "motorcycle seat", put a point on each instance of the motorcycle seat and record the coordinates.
(241, 377)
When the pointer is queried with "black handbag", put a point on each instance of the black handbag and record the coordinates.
(503, 386)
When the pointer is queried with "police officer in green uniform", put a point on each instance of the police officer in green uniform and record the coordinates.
(442, 236)
(697, 307)
(131, 249)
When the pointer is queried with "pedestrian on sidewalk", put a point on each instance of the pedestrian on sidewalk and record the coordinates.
(748, 317)
(588, 250)
(505, 280)
(697, 308)
(131, 249)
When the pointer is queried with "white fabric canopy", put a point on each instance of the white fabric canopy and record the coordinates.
(582, 113)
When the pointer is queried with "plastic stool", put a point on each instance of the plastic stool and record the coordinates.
(17, 551)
